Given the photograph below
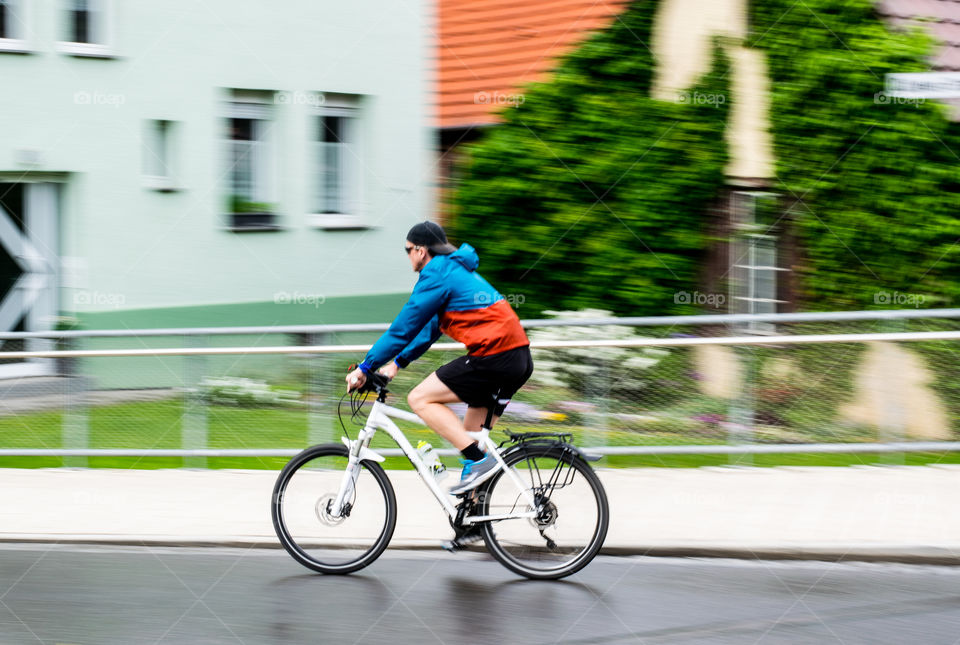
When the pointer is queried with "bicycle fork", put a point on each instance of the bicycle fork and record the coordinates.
(357, 451)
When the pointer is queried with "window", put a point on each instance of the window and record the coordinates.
(336, 166)
(85, 22)
(88, 28)
(753, 257)
(331, 161)
(158, 160)
(10, 25)
(13, 25)
(249, 164)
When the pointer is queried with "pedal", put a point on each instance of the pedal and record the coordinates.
(461, 542)
(451, 546)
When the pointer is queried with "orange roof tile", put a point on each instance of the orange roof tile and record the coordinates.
(487, 49)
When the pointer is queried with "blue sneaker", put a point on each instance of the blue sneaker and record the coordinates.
(475, 473)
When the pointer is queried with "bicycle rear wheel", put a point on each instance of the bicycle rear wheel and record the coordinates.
(300, 508)
(571, 526)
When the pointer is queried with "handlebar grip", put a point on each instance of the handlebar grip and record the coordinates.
(374, 382)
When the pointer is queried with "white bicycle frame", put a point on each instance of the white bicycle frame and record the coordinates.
(380, 418)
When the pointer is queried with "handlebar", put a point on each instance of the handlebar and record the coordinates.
(375, 383)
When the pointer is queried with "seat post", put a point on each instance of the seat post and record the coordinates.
(489, 420)
(490, 408)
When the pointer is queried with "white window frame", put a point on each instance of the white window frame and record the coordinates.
(351, 164)
(746, 242)
(106, 48)
(21, 43)
(239, 106)
(153, 159)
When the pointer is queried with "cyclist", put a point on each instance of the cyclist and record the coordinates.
(451, 298)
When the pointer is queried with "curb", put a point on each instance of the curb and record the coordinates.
(906, 555)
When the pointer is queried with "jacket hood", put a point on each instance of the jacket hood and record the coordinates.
(466, 256)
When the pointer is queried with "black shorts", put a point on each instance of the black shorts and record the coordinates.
(476, 380)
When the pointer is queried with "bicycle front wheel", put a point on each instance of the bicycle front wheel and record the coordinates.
(571, 524)
(301, 505)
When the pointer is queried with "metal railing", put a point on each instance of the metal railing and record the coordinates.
(763, 394)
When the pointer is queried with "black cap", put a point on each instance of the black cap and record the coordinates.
(430, 235)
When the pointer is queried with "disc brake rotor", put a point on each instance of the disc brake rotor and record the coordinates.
(323, 508)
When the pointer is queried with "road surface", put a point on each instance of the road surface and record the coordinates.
(100, 595)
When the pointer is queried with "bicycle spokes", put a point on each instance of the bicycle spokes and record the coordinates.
(569, 519)
(307, 520)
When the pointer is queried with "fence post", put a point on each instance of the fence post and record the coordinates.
(76, 414)
(194, 430)
(743, 407)
(598, 390)
(894, 420)
(319, 391)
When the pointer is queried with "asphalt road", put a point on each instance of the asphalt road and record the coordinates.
(101, 595)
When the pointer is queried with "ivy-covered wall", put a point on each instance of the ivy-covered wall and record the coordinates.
(871, 183)
(591, 193)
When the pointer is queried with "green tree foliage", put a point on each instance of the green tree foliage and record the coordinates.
(872, 183)
(591, 193)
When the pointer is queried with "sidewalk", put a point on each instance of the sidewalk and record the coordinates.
(872, 512)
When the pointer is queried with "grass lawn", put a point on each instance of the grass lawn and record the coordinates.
(160, 424)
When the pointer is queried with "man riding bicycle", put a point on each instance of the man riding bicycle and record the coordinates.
(451, 298)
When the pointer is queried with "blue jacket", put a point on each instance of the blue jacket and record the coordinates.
(451, 298)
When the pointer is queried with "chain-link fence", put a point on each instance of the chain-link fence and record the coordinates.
(687, 387)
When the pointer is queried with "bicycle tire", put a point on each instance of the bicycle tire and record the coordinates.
(300, 551)
(497, 540)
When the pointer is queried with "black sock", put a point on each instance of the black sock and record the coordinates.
(472, 452)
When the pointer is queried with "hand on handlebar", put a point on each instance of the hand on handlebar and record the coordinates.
(355, 380)
(389, 370)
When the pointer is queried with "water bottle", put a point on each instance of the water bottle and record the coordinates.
(431, 460)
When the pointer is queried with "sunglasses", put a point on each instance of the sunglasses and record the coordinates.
(410, 248)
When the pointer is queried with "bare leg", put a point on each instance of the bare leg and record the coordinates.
(427, 401)
(474, 418)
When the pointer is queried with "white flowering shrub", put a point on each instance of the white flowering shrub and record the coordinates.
(245, 391)
(593, 371)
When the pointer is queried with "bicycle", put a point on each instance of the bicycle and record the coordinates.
(334, 508)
